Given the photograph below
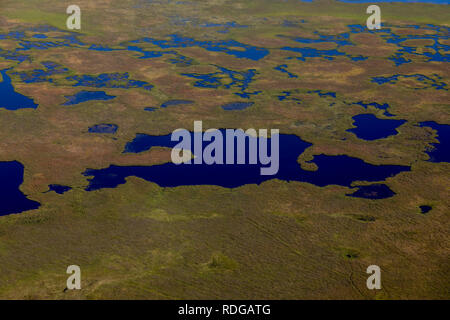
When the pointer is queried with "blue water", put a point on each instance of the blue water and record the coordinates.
(424, 82)
(143, 142)
(437, 51)
(439, 152)
(42, 75)
(374, 191)
(59, 189)
(283, 68)
(17, 35)
(425, 209)
(237, 106)
(148, 54)
(97, 47)
(287, 96)
(307, 52)
(12, 199)
(40, 36)
(40, 45)
(323, 94)
(104, 80)
(109, 80)
(104, 128)
(332, 170)
(226, 46)
(226, 79)
(175, 103)
(434, 52)
(13, 55)
(84, 96)
(9, 98)
(376, 105)
(369, 127)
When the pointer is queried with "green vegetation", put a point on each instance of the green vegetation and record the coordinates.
(277, 240)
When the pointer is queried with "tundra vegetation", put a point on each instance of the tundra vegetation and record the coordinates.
(305, 68)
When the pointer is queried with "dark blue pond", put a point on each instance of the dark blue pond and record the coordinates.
(237, 105)
(143, 142)
(332, 170)
(439, 152)
(97, 47)
(40, 36)
(13, 200)
(104, 128)
(175, 103)
(369, 127)
(84, 96)
(374, 191)
(59, 189)
(425, 209)
(10, 99)
(148, 54)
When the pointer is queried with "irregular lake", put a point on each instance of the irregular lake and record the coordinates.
(425, 209)
(10, 99)
(59, 189)
(84, 96)
(332, 170)
(12, 199)
(369, 127)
